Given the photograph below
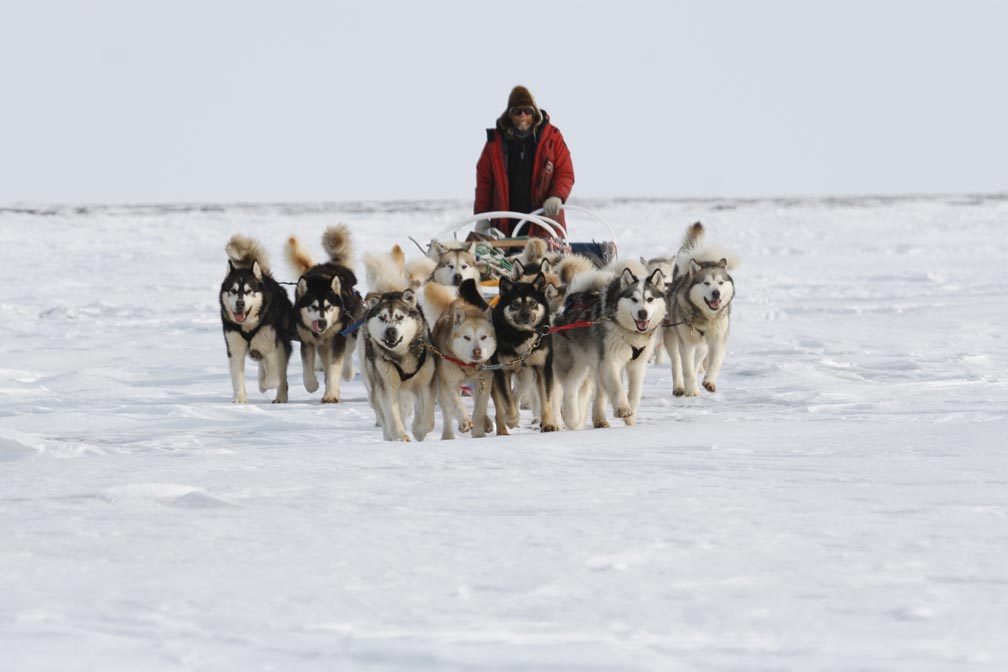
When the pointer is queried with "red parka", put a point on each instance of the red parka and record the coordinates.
(552, 175)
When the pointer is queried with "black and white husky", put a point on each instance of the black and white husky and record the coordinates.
(256, 316)
(325, 304)
(521, 320)
(620, 308)
(699, 302)
(396, 367)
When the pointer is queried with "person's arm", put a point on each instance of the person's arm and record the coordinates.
(484, 183)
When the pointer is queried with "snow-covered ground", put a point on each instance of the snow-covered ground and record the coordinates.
(841, 503)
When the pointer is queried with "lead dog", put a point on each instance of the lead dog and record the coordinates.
(621, 309)
(256, 317)
(396, 367)
(699, 309)
(325, 304)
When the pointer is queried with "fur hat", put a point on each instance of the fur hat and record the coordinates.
(521, 96)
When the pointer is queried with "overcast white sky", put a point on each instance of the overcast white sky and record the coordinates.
(125, 101)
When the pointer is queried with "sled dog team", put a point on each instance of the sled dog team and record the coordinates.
(561, 337)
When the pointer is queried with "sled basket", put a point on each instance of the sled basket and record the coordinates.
(493, 249)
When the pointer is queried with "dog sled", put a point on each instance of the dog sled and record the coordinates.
(494, 250)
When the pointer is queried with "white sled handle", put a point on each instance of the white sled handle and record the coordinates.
(555, 230)
(579, 209)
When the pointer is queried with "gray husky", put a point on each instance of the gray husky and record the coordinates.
(256, 316)
(619, 310)
(326, 304)
(699, 300)
(396, 365)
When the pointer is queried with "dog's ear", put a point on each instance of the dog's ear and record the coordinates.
(694, 267)
(257, 271)
(335, 285)
(627, 278)
(723, 263)
(437, 248)
(472, 248)
(552, 292)
(546, 266)
(643, 261)
(504, 286)
(517, 270)
(302, 287)
(409, 298)
(540, 282)
(657, 279)
(469, 293)
(231, 266)
(371, 299)
(458, 315)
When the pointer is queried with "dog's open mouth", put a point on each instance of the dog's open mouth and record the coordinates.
(240, 317)
(642, 325)
(391, 345)
(713, 304)
(317, 327)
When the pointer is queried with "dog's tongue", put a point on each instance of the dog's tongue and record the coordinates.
(239, 317)
(715, 304)
(642, 324)
(315, 327)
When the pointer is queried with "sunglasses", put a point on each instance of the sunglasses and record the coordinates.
(528, 111)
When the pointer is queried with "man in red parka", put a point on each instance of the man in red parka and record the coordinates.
(525, 165)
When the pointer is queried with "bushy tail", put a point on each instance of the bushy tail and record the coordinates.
(244, 251)
(437, 298)
(693, 238)
(297, 255)
(573, 265)
(694, 246)
(336, 243)
(384, 272)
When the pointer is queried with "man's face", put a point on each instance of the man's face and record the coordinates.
(522, 117)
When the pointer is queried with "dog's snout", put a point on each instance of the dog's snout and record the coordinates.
(457, 279)
(322, 323)
(391, 334)
(477, 353)
(716, 294)
(641, 314)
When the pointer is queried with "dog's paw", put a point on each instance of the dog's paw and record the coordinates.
(624, 412)
(465, 425)
(311, 383)
(330, 399)
(512, 422)
(240, 400)
(678, 391)
(630, 420)
(710, 386)
(550, 428)
(488, 424)
(601, 424)
(695, 392)
(405, 438)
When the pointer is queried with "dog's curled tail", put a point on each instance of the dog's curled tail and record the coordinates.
(336, 243)
(244, 251)
(571, 266)
(384, 272)
(297, 255)
(535, 251)
(437, 297)
(693, 237)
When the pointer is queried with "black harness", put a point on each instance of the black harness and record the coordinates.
(403, 376)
